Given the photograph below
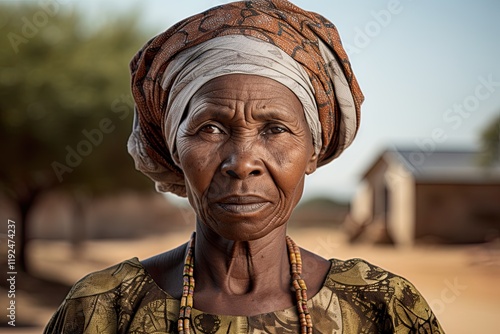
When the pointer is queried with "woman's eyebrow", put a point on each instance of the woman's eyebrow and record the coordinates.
(275, 116)
(211, 111)
(274, 111)
(214, 110)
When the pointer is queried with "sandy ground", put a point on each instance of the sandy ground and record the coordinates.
(461, 283)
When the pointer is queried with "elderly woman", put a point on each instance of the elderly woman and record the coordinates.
(234, 107)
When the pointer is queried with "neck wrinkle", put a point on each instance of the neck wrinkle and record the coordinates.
(240, 263)
(238, 268)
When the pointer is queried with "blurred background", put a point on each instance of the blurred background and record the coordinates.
(418, 192)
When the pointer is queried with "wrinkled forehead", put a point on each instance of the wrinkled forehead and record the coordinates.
(257, 98)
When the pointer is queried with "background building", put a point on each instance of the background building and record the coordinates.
(409, 196)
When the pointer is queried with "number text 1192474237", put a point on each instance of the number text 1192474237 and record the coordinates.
(11, 272)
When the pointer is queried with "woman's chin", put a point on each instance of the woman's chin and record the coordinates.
(243, 226)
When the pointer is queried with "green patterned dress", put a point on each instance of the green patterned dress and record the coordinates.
(356, 297)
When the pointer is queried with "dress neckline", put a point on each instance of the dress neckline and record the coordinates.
(292, 308)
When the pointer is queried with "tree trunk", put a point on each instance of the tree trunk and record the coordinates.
(25, 204)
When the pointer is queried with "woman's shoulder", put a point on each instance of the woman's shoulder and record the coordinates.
(376, 293)
(104, 301)
(108, 279)
(358, 276)
(358, 272)
(150, 273)
(165, 270)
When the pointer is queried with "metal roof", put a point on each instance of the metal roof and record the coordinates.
(445, 165)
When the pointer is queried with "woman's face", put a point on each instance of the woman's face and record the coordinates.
(245, 148)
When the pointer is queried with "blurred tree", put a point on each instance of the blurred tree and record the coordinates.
(490, 143)
(65, 106)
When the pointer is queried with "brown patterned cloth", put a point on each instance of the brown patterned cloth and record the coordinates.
(356, 297)
(299, 33)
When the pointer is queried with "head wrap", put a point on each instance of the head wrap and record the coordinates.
(273, 38)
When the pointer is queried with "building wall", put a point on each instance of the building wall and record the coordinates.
(362, 204)
(376, 180)
(401, 205)
(457, 212)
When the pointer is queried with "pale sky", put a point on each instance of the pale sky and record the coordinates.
(430, 71)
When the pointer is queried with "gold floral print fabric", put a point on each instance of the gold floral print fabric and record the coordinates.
(356, 297)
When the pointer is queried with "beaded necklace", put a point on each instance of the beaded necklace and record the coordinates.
(183, 324)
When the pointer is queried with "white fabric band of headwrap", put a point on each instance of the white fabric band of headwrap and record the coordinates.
(192, 68)
(343, 95)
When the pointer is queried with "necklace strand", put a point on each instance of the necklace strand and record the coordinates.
(183, 323)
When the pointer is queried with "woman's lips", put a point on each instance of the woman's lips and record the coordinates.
(242, 204)
(242, 208)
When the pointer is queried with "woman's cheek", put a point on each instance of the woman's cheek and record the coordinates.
(194, 153)
(289, 155)
(293, 162)
(199, 161)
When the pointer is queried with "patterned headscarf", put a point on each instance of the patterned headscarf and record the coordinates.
(308, 38)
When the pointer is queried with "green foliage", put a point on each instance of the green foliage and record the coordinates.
(65, 87)
(490, 143)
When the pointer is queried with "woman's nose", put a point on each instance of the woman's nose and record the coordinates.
(241, 165)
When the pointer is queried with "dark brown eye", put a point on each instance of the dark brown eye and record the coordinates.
(210, 128)
(275, 129)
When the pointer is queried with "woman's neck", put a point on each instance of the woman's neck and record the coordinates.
(241, 267)
(234, 278)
